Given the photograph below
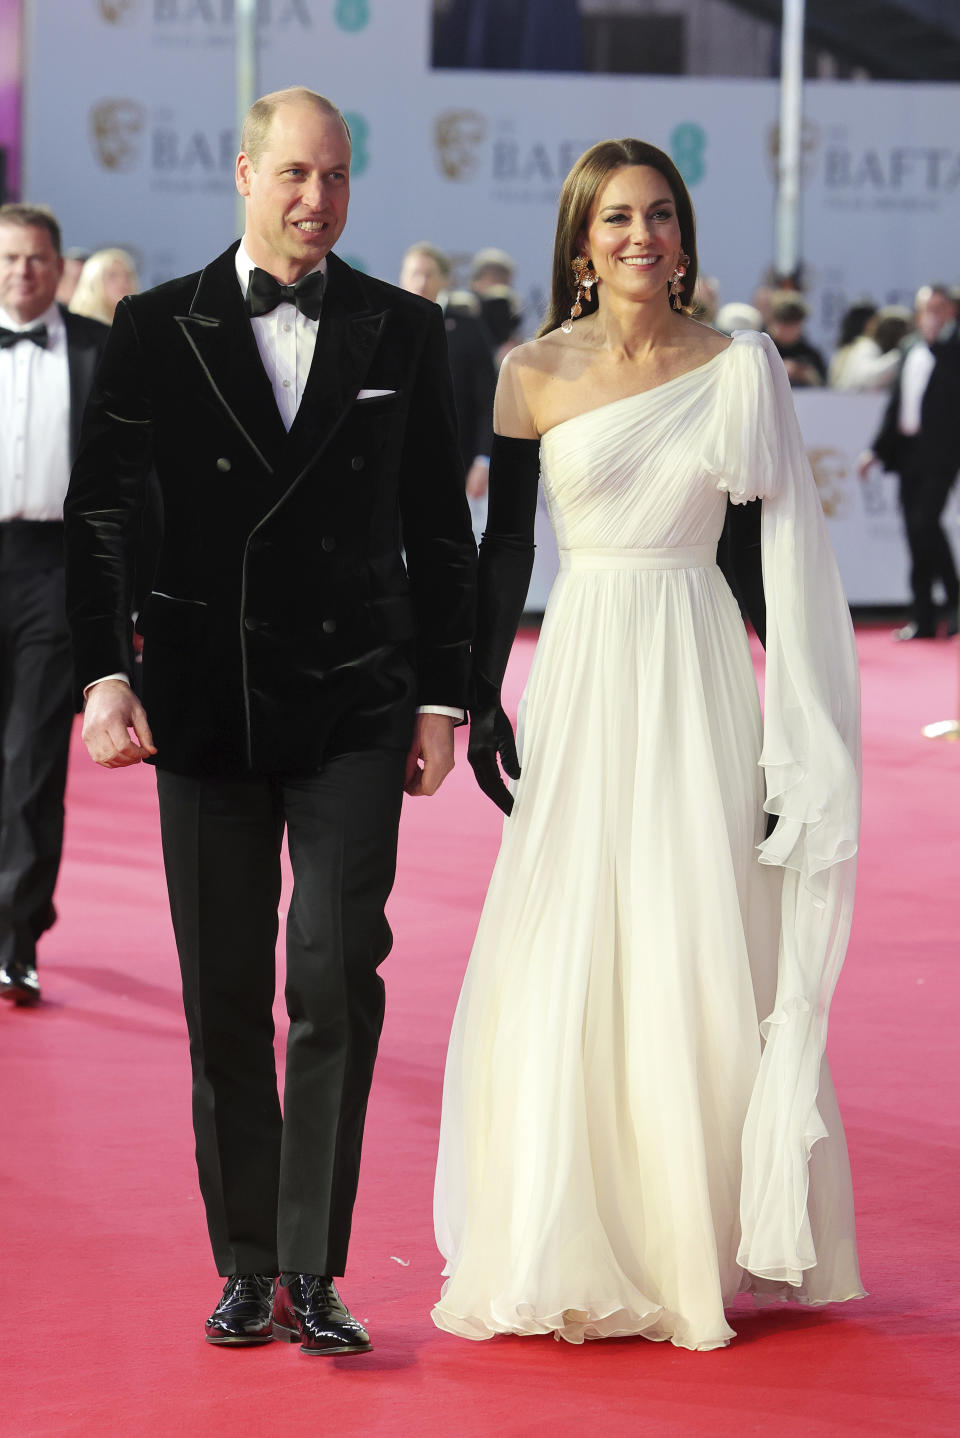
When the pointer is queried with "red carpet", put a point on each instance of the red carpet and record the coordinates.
(105, 1268)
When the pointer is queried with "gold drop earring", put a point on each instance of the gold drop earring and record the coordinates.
(585, 280)
(676, 280)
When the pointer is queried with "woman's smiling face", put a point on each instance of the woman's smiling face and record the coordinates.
(633, 234)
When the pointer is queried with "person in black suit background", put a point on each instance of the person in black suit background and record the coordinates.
(919, 440)
(297, 675)
(426, 271)
(47, 361)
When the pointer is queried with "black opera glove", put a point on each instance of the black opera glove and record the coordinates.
(740, 558)
(503, 578)
(491, 735)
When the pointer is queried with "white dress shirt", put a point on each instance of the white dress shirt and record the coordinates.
(914, 378)
(34, 421)
(286, 340)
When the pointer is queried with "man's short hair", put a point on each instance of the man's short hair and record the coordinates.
(787, 307)
(40, 217)
(926, 292)
(498, 261)
(259, 118)
(441, 260)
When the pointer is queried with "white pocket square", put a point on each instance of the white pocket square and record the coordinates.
(374, 393)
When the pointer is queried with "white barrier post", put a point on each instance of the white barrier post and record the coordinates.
(246, 74)
(787, 239)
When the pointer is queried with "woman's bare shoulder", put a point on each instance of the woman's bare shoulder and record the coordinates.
(524, 371)
(536, 357)
(703, 341)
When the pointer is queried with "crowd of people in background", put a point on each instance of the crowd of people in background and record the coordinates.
(485, 319)
(868, 347)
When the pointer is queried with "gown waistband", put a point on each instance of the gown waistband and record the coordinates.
(691, 556)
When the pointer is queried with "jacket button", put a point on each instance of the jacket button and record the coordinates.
(328, 544)
(224, 466)
(357, 462)
(329, 626)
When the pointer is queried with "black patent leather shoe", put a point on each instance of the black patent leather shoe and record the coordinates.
(19, 983)
(310, 1309)
(245, 1312)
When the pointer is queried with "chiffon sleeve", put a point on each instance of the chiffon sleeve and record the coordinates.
(811, 763)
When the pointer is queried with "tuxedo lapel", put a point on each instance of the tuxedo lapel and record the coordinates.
(347, 337)
(218, 331)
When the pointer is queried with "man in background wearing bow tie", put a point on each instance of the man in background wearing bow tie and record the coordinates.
(298, 675)
(47, 360)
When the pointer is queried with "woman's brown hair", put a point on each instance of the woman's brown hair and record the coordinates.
(580, 190)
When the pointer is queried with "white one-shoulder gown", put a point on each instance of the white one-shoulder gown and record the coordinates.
(638, 1119)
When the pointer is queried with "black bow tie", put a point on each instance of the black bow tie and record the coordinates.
(11, 337)
(264, 293)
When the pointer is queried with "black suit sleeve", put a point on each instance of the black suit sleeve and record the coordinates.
(939, 417)
(483, 379)
(103, 506)
(86, 340)
(438, 538)
(885, 444)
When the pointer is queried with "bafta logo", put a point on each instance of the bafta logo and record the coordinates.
(809, 144)
(115, 130)
(115, 12)
(458, 135)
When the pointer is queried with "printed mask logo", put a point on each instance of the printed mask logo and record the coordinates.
(116, 128)
(458, 136)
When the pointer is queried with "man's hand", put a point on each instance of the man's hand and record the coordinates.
(111, 711)
(865, 461)
(433, 745)
(478, 479)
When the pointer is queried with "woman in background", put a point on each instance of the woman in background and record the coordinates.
(106, 277)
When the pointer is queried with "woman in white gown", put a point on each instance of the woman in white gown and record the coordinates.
(638, 1118)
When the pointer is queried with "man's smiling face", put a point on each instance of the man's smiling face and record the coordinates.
(297, 191)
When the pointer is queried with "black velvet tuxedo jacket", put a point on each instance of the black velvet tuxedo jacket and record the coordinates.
(937, 447)
(86, 339)
(283, 625)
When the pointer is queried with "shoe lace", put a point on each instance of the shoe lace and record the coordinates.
(247, 1287)
(313, 1285)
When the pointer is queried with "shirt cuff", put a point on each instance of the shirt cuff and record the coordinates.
(456, 714)
(103, 679)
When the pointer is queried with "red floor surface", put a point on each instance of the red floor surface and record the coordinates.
(105, 1269)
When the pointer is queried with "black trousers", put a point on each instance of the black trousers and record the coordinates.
(923, 497)
(36, 716)
(279, 1191)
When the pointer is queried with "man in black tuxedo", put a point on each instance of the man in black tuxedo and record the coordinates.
(297, 674)
(47, 362)
(919, 439)
(427, 271)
